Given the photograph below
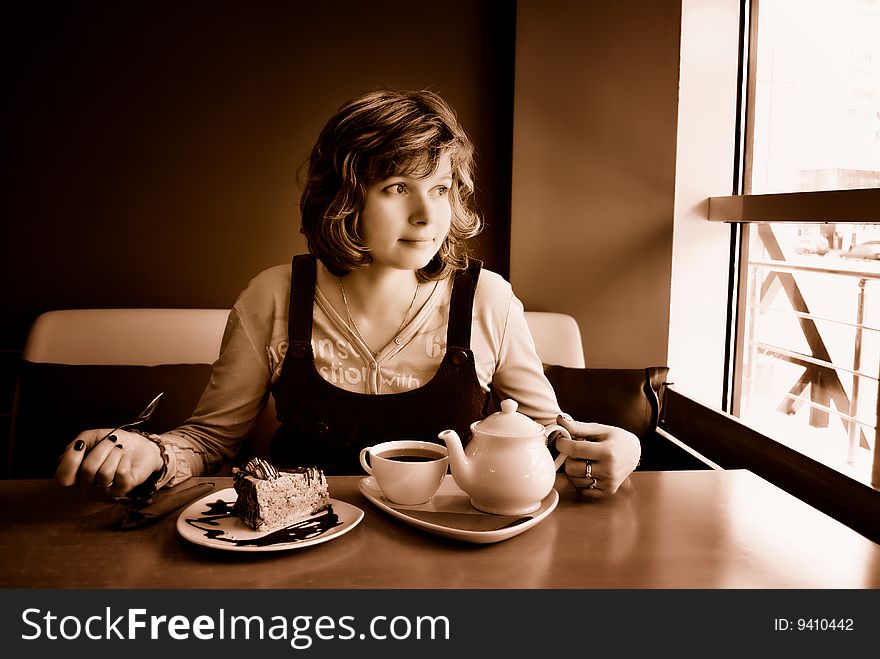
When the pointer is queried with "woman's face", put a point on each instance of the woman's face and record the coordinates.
(405, 220)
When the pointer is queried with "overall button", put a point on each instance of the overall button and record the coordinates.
(459, 357)
(297, 350)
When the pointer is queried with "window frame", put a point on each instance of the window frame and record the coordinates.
(857, 206)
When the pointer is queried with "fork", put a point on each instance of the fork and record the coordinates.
(142, 418)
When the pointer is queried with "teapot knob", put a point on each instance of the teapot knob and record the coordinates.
(508, 406)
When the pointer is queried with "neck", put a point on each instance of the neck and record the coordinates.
(385, 286)
(377, 308)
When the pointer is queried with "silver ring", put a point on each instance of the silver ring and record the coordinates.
(589, 472)
(97, 484)
(594, 484)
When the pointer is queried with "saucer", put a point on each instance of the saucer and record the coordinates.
(452, 504)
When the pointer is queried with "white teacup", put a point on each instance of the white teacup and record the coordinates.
(408, 472)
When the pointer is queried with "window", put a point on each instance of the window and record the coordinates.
(814, 96)
(807, 348)
(808, 364)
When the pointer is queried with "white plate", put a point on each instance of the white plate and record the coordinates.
(211, 522)
(452, 499)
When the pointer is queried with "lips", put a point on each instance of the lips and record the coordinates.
(417, 242)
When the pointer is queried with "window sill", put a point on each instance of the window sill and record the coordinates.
(727, 442)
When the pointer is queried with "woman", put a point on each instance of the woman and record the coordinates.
(385, 329)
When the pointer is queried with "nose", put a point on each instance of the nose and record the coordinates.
(421, 209)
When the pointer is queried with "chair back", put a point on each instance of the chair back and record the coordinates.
(90, 368)
(145, 337)
(557, 338)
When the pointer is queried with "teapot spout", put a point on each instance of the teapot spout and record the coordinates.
(459, 464)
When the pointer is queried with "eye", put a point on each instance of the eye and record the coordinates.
(396, 188)
(442, 190)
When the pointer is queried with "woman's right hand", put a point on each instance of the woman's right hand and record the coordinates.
(113, 465)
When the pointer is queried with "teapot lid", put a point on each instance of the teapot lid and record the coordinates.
(509, 422)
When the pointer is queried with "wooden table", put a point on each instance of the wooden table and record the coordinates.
(682, 529)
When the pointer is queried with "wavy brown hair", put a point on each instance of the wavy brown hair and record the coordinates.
(380, 134)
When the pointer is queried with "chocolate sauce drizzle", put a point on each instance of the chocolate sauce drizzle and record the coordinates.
(259, 468)
(305, 529)
(265, 470)
(309, 472)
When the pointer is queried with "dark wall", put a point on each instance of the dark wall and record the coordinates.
(152, 148)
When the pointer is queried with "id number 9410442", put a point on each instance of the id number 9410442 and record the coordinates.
(813, 624)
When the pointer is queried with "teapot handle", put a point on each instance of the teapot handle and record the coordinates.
(560, 459)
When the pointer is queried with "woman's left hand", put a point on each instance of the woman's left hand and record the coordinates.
(600, 458)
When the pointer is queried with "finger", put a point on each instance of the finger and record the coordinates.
(106, 474)
(592, 493)
(122, 480)
(93, 461)
(582, 469)
(587, 476)
(583, 449)
(582, 475)
(588, 488)
(134, 468)
(596, 432)
(73, 455)
(592, 483)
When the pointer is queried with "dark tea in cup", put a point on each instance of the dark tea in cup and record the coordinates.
(408, 472)
(412, 455)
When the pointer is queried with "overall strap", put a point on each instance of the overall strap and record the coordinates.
(461, 306)
(302, 299)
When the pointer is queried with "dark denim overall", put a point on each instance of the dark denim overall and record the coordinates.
(326, 426)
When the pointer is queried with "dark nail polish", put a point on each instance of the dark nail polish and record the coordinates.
(79, 445)
(119, 446)
(112, 438)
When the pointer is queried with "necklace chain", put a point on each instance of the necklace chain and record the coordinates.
(356, 330)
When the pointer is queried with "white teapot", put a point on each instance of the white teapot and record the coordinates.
(506, 468)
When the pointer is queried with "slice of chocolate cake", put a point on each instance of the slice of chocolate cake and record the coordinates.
(269, 498)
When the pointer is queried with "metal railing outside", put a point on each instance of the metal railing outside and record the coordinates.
(846, 407)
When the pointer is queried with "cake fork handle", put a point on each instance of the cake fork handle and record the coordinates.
(143, 417)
